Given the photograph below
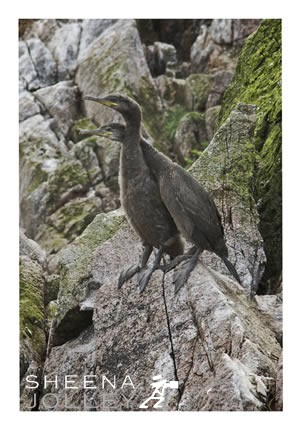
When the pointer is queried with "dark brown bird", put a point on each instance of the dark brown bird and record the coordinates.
(140, 195)
(192, 208)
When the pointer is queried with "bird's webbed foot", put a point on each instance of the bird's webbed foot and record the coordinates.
(146, 273)
(183, 273)
(127, 274)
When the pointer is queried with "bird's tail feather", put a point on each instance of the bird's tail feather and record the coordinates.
(231, 269)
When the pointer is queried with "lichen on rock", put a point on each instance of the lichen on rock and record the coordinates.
(65, 96)
(31, 303)
(32, 312)
(68, 222)
(226, 168)
(75, 271)
(69, 177)
(257, 81)
(190, 137)
(199, 86)
(126, 71)
(84, 123)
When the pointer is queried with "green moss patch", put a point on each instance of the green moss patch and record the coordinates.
(172, 118)
(229, 161)
(200, 85)
(32, 317)
(66, 176)
(76, 259)
(81, 124)
(257, 80)
(71, 219)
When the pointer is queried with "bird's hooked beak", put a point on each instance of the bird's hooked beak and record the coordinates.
(104, 132)
(103, 101)
(100, 131)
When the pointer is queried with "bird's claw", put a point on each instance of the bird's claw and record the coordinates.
(127, 274)
(144, 277)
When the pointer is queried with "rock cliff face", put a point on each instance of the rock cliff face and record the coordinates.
(32, 314)
(220, 341)
(258, 80)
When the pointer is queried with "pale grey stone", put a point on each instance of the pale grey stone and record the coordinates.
(91, 29)
(211, 120)
(27, 72)
(61, 103)
(27, 105)
(113, 64)
(43, 62)
(221, 31)
(64, 46)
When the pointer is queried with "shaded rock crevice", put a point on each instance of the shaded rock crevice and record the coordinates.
(69, 330)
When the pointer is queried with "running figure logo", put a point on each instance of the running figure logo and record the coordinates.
(159, 386)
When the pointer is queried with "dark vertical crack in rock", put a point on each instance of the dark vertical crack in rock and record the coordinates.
(170, 335)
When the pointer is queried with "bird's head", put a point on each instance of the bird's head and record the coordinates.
(121, 103)
(114, 131)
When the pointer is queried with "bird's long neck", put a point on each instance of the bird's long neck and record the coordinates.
(131, 155)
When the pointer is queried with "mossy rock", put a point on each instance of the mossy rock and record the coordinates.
(75, 266)
(211, 120)
(38, 176)
(67, 223)
(86, 152)
(114, 64)
(257, 80)
(25, 25)
(51, 288)
(81, 124)
(230, 159)
(71, 219)
(226, 168)
(69, 174)
(172, 118)
(84, 124)
(152, 114)
(200, 86)
(36, 158)
(190, 137)
(51, 310)
(50, 239)
(32, 315)
(195, 116)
